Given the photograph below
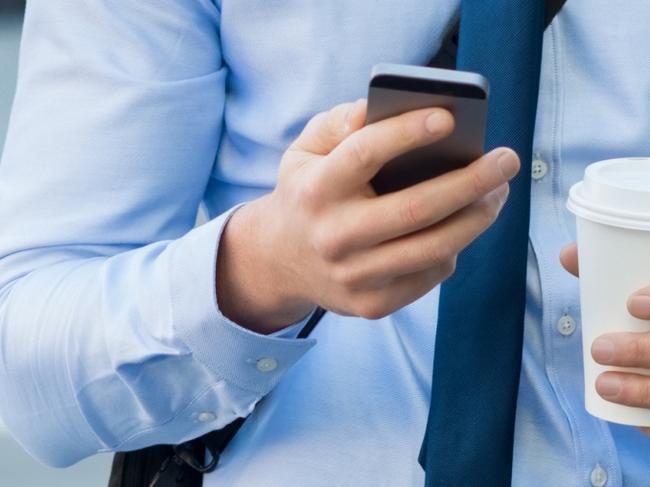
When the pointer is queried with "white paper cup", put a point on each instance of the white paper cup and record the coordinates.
(612, 206)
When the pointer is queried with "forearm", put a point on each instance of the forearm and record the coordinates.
(126, 351)
(111, 337)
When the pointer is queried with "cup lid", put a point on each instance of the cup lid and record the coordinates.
(614, 192)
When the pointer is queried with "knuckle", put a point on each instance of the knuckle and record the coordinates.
(333, 122)
(315, 122)
(346, 276)
(478, 184)
(406, 135)
(634, 351)
(489, 210)
(319, 118)
(627, 394)
(411, 211)
(438, 252)
(361, 151)
(644, 392)
(310, 194)
(370, 308)
(447, 268)
(637, 393)
(328, 244)
(643, 347)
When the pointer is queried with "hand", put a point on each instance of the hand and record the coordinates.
(323, 237)
(621, 349)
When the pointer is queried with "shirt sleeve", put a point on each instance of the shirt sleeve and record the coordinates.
(110, 334)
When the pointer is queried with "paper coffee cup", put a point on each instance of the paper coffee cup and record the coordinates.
(612, 206)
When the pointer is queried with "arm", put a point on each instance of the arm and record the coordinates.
(110, 337)
(110, 334)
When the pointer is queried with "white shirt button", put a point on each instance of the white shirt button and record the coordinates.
(598, 476)
(540, 169)
(566, 325)
(206, 416)
(267, 364)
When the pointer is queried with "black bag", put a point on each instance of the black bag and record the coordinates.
(184, 465)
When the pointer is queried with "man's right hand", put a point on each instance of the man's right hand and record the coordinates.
(323, 237)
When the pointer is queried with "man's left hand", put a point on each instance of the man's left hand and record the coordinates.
(621, 349)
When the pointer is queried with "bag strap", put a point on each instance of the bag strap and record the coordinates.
(553, 8)
(141, 468)
(183, 465)
(216, 441)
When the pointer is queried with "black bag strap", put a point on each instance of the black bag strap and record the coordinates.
(216, 441)
(553, 8)
(141, 468)
(183, 465)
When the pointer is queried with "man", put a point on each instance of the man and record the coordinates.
(114, 335)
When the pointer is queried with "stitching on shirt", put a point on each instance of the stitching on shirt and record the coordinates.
(546, 275)
(558, 205)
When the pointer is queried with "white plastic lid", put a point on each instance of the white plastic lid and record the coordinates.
(615, 192)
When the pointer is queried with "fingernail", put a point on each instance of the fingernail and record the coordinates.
(608, 386)
(602, 350)
(640, 306)
(434, 122)
(348, 117)
(502, 193)
(508, 163)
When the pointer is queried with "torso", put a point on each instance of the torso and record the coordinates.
(353, 411)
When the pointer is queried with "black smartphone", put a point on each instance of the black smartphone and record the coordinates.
(395, 89)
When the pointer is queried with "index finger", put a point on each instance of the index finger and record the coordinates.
(358, 158)
(411, 209)
(327, 129)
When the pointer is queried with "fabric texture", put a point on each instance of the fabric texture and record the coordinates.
(480, 326)
(127, 116)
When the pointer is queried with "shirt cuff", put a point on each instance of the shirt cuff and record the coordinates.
(291, 331)
(249, 360)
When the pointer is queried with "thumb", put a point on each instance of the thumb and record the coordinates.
(326, 130)
(569, 258)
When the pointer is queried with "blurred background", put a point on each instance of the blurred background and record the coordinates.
(16, 467)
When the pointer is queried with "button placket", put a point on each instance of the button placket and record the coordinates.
(561, 324)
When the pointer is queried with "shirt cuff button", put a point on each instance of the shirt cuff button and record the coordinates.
(206, 416)
(267, 364)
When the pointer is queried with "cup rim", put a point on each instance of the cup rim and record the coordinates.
(583, 208)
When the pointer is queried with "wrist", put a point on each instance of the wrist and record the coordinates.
(252, 289)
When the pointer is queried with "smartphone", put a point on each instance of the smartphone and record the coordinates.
(395, 89)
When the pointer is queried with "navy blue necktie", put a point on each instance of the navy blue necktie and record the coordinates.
(477, 361)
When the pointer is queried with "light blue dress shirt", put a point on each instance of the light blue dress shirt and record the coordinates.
(129, 114)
